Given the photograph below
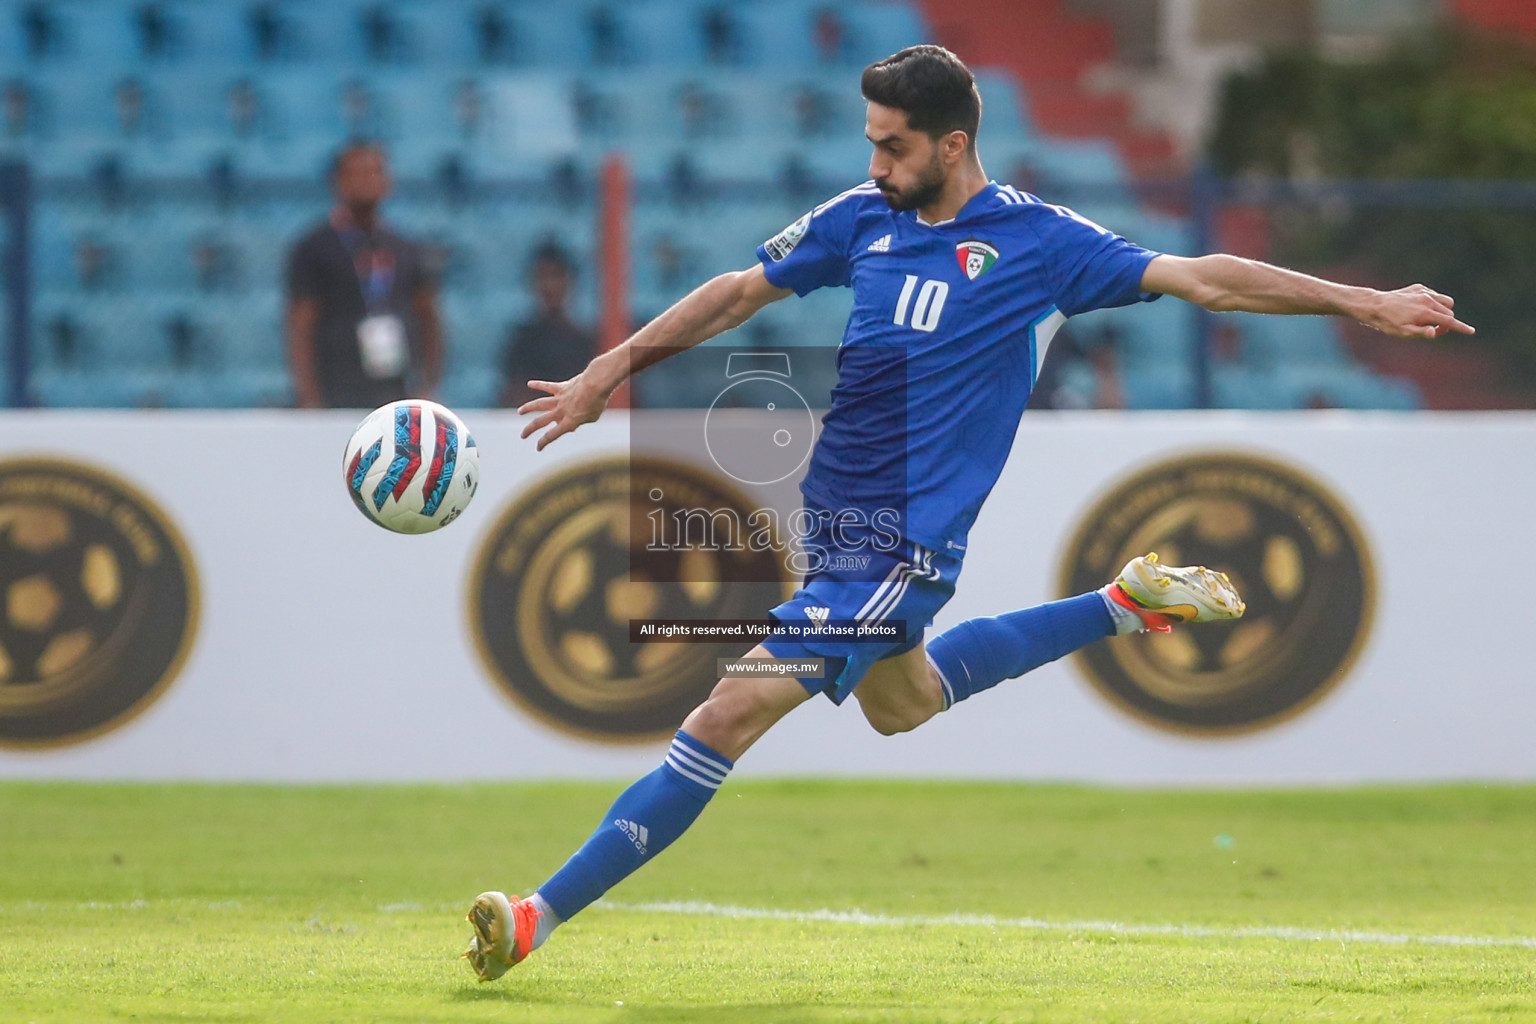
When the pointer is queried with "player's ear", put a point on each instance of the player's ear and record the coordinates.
(954, 145)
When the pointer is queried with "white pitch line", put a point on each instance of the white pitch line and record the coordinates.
(859, 917)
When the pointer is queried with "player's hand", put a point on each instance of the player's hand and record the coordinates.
(1414, 312)
(570, 404)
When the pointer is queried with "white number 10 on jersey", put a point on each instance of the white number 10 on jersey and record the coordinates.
(929, 304)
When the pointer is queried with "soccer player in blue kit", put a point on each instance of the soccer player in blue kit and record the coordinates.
(958, 285)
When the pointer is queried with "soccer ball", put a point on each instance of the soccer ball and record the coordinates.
(411, 466)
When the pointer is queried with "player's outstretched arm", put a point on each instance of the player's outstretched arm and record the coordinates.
(1226, 284)
(716, 305)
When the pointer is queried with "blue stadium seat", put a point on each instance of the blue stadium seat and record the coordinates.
(777, 35)
(1365, 390)
(471, 388)
(241, 332)
(113, 331)
(1350, 387)
(1288, 340)
(437, 35)
(100, 389)
(476, 327)
(195, 103)
(305, 102)
(1242, 387)
(877, 30)
(80, 101)
(667, 33)
(327, 34)
(263, 254)
(1068, 171)
(13, 41)
(1158, 232)
(1146, 334)
(1004, 117)
(552, 35)
(210, 34)
(243, 390)
(1159, 387)
(304, 157)
(421, 106)
(98, 36)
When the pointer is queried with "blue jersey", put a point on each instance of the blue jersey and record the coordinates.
(949, 325)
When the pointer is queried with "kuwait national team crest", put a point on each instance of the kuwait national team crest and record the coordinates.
(976, 257)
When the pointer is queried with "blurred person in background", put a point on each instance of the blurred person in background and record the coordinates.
(1084, 374)
(362, 318)
(549, 345)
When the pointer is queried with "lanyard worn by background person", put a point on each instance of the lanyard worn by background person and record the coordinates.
(380, 334)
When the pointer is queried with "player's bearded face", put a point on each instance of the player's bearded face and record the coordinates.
(926, 188)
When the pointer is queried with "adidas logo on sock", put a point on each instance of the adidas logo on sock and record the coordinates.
(638, 834)
(881, 244)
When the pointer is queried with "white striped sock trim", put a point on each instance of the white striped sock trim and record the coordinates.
(698, 762)
(689, 773)
(949, 691)
(707, 756)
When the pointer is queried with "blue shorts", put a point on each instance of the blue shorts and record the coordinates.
(864, 583)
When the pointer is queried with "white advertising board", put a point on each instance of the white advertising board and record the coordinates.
(320, 647)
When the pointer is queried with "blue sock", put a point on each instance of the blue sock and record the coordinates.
(643, 821)
(980, 653)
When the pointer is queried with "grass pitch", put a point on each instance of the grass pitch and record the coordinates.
(235, 903)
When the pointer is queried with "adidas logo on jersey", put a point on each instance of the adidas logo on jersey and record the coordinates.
(638, 834)
(881, 244)
(818, 616)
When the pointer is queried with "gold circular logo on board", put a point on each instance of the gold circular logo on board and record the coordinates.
(566, 567)
(1293, 553)
(98, 602)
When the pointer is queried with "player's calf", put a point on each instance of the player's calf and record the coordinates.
(740, 709)
(901, 693)
(645, 819)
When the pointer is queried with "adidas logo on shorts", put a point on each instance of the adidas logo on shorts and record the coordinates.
(818, 616)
